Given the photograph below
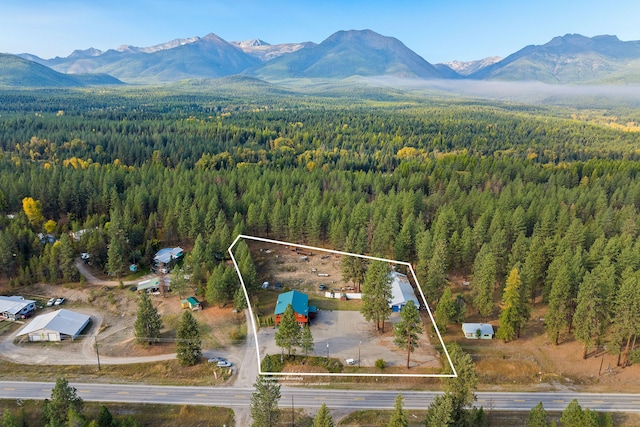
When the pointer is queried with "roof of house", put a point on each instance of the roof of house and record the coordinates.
(485, 328)
(298, 300)
(401, 290)
(149, 284)
(64, 321)
(13, 304)
(165, 255)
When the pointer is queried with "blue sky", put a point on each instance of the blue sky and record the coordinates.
(438, 30)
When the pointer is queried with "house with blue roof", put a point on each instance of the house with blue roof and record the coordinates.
(300, 304)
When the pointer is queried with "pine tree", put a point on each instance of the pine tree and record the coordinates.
(376, 294)
(216, 293)
(189, 345)
(323, 417)
(264, 402)
(105, 419)
(626, 322)
(354, 267)
(591, 311)
(556, 317)
(440, 411)
(437, 268)
(179, 283)
(445, 311)
(399, 416)
(462, 388)
(148, 322)
(239, 299)
(9, 419)
(306, 340)
(197, 262)
(512, 316)
(63, 399)
(288, 334)
(406, 331)
(575, 416)
(537, 416)
(67, 260)
(484, 279)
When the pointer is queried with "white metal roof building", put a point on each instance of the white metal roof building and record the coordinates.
(14, 307)
(401, 291)
(474, 331)
(56, 326)
(166, 255)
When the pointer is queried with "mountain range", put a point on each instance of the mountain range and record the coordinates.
(570, 59)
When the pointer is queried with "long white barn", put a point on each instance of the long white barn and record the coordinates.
(56, 326)
(401, 291)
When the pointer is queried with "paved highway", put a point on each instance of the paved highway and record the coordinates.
(313, 398)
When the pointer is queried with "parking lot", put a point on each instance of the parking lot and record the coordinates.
(346, 335)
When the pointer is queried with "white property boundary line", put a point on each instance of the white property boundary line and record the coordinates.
(316, 374)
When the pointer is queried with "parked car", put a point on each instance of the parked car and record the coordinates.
(224, 364)
(51, 302)
(215, 359)
(59, 301)
(322, 287)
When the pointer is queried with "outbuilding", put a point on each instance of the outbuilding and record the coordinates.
(477, 331)
(56, 326)
(16, 307)
(191, 302)
(401, 291)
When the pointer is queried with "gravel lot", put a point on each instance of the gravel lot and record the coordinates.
(342, 334)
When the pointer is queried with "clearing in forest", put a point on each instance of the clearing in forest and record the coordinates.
(340, 331)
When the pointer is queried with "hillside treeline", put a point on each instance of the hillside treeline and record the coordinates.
(472, 189)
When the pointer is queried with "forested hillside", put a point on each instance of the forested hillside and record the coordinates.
(452, 186)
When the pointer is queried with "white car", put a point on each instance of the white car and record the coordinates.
(224, 364)
(59, 301)
(51, 302)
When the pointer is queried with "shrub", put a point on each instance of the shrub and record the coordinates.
(272, 363)
(380, 364)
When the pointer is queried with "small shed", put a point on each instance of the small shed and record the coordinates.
(192, 303)
(56, 326)
(474, 331)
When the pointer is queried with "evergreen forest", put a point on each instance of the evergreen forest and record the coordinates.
(538, 200)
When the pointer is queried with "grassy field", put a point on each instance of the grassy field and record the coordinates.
(145, 415)
(168, 372)
(377, 418)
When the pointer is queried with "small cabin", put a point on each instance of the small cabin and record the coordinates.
(477, 331)
(192, 303)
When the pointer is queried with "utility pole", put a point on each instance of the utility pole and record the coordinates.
(359, 353)
(97, 352)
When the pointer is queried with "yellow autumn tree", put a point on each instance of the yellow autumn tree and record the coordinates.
(33, 209)
(49, 226)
